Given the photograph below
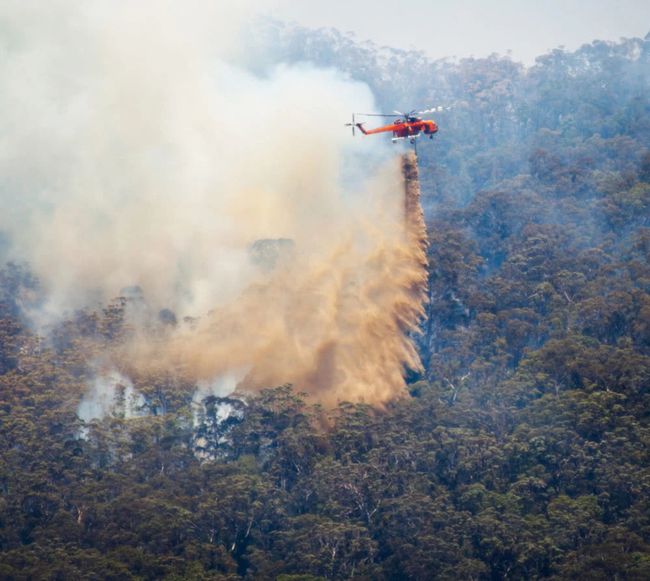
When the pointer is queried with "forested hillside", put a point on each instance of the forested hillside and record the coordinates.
(522, 449)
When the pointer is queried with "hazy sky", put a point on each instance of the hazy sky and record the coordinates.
(463, 28)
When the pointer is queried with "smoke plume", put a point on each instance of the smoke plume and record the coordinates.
(136, 151)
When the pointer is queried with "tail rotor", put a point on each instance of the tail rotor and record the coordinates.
(353, 125)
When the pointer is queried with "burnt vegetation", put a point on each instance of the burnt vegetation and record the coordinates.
(522, 450)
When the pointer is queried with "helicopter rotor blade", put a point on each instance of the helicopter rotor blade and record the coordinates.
(436, 109)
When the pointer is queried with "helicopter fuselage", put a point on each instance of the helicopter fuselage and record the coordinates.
(401, 128)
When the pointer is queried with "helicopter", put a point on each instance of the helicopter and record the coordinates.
(407, 126)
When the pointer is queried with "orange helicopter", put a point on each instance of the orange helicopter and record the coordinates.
(407, 126)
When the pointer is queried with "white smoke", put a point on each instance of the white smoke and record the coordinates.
(136, 152)
(220, 386)
(111, 394)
